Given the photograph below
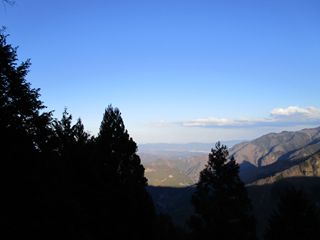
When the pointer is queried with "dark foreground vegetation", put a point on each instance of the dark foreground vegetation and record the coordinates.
(58, 182)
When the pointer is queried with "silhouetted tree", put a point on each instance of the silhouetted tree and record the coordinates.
(128, 206)
(222, 207)
(295, 218)
(119, 151)
(64, 132)
(25, 134)
(58, 181)
(81, 137)
(72, 146)
(20, 107)
(71, 162)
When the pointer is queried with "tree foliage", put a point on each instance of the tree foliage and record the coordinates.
(20, 107)
(122, 173)
(222, 207)
(25, 134)
(118, 151)
(59, 181)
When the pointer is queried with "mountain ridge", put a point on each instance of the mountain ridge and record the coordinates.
(258, 159)
(275, 152)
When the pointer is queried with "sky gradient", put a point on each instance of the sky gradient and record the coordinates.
(179, 70)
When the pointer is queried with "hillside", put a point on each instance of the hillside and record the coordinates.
(265, 197)
(175, 173)
(177, 201)
(266, 156)
(273, 147)
(307, 168)
(165, 173)
(275, 152)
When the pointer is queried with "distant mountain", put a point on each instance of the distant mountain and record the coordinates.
(184, 147)
(148, 157)
(275, 152)
(275, 147)
(268, 157)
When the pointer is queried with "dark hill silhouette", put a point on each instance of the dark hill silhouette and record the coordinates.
(264, 198)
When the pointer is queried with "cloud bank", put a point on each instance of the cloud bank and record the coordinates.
(290, 116)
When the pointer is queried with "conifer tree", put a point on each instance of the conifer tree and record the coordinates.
(21, 110)
(68, 136)
(222, 207)
(64, 132)
(58, 181)
(25, 135)
(118, 150)
(119, 170)
(81, 137)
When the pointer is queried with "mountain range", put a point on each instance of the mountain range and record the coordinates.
(276, 152)
(271, 156)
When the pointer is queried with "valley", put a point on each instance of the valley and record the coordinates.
(268, 165)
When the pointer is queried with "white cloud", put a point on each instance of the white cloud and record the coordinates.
(295, 111)
(224, 122)
(213, 129)
(290, 116)
(202, 122)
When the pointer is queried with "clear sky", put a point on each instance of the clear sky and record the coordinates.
(179, 70)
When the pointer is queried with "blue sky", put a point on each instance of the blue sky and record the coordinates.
(179, 70)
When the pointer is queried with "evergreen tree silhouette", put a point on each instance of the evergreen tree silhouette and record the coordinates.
(72, 158)
(20, 107)
(81, 137)
(222, 207)
(25, 135)
(58, 181)
(296, 217)
(64, 132)
(128, 206)
(119, 151)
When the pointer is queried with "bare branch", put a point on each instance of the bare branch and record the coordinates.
(9, 2)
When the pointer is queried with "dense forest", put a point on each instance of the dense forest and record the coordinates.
(60, 182)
